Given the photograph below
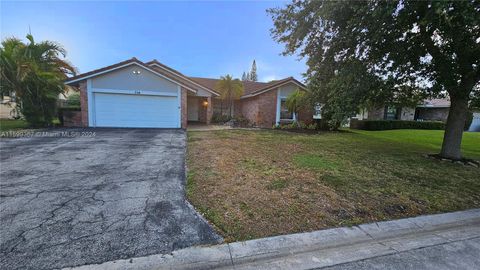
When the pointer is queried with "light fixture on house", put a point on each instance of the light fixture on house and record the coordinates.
(136, 72)
(205, 103)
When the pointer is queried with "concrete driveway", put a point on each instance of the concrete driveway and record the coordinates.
(73, 199)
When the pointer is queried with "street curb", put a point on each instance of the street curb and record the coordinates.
(315, 249)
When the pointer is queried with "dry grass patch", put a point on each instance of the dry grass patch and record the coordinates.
(253, 184)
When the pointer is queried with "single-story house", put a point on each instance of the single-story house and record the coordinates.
(137, 94)
(428, 110)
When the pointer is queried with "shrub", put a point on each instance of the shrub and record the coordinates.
(73, 99)
(313, 126)
(220, 118)
(39, 109)
(241, 121)
(292, 125)
(322, 124)
(395, 124)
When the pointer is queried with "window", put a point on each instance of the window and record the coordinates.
(392, 113)
(317, 111)
(284, 113)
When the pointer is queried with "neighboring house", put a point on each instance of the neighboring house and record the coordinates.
(7, 107)
(428, 110)
(433, 110)
(8, 104)
(137, 94)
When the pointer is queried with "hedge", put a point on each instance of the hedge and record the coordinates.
(395, 124)
(69, 108)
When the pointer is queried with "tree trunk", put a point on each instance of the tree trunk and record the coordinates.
(452, 138)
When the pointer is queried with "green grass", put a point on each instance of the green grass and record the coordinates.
(313, 161)
(427, 139)
(11, 124)
(253, 184)
(278, 184)
(18, 124)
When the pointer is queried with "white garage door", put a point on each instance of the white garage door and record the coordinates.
(147, 111)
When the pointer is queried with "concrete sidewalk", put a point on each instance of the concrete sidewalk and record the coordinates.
(319, 249)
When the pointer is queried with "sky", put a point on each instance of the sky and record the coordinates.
(202, 39)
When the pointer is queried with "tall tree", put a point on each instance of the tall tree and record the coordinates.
(35, 73)
(244, 76)
(230, 90)
(253, 72)
(407, 48)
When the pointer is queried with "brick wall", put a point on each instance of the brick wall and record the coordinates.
(209, 110)
(259, 110)
(183, 105)
(219, 106)
(202, 110)
(237, 107)
(84, 103)
(72, 118)
(305, 116)
(267, 109)
(247, 108)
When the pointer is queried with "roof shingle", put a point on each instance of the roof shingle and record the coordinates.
(250, 88)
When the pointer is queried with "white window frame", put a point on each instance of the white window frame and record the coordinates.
(318, 115)
(279, 104)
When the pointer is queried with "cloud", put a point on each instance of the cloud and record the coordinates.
(264, 66)
(269, 78)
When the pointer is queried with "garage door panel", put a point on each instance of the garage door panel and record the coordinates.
(119, 110)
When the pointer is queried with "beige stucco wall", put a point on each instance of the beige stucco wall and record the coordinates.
(286, 90)
(376, 114)
(6, 109)
(203, 93)
(407, 113)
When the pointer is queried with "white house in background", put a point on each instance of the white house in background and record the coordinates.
(7, 107)
(428, 110)
(8, 104)
(475, 126)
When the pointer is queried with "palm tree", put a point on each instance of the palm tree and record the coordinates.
(295, 101)
(230, 90)
(35, 73)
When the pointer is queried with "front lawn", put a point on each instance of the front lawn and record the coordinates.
(19, 124)
(253, 184)
(12, 124)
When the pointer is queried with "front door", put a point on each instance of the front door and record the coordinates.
(192, 109)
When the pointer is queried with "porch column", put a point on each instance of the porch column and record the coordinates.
(209, 110)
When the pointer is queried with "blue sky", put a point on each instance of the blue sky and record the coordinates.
(205, 39)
